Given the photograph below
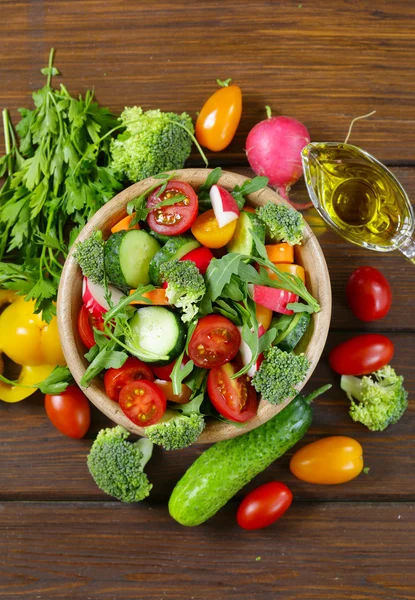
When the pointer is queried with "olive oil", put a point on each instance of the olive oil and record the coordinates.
(357, 195)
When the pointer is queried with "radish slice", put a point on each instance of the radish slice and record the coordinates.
(224, 205)
(93, 296)
(246, 353)
(273, 298)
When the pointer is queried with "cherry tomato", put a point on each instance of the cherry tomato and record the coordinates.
(264, 505)
(219, 118)
(164, 371)
(331, 460)
(201, 257)
(69, 412)
(86, 322)
(235, 399)
(182, 398)
(362, 354)
(207, 231)
(215, 341)
(176, 218)
(143, 402)
(132, 370)
(369, 294)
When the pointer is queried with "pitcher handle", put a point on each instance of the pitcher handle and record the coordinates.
(408, 249)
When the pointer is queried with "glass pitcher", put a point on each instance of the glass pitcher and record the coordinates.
(359, 197)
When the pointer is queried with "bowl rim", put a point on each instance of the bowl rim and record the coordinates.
(69, 302)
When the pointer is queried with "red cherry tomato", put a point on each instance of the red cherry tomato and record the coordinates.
(177, 218)
(86, 322)
(362, 354)
(132, 370)
(215, 341)
(235, 399)
(142, 402)
(69, 412)
(201, 256)
(369, 294)
(164, 371)
(264, 506)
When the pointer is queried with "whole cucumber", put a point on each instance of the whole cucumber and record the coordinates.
(224, 468)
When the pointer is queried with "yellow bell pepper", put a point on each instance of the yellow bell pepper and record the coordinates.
(28, 341)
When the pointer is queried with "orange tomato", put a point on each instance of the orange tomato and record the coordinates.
(331, 460)
(219, 118)
(263, 316)
(285, 268)
(280, 253)
(124, 224)
(208, 233)
(157, 297)
(250, 209)
(167, 387)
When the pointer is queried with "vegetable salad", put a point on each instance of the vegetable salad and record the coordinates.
(193, 307)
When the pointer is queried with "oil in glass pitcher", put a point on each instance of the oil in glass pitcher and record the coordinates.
(359, 197)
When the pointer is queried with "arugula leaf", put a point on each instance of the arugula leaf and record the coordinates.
(57, 381)
(105, 359)
(248, 187)
(219, 273)
(179, 373)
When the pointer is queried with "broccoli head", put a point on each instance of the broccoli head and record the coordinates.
(278, 374)
(176, 429)
(90, 257)
(283, 224)
(117, 465)
(185, 286)
(153, 142)
(381, 398)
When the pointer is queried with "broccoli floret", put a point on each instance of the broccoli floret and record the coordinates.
(152, 143)
(176, 429)
(381, 398)
(185, 286)
(90, 257)
(278, 374)
(117, 465)
(283, 224)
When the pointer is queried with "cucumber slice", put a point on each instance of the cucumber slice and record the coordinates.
(289, 338)
(157, 335)
(242, 240)
(176, 247)
(127, 257)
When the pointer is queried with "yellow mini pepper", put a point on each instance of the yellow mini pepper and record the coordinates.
(28, 341)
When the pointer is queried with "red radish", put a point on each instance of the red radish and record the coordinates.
(224, 205)
(273, 149)
(201, 256)
(246, 353)
(93, 296)
(273, 298)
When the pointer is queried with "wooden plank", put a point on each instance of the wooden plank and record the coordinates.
(323, 63)
(37, 462)
(346, 551)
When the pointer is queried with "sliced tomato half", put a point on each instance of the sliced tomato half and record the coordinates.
(215, 341)
(175, 218)
(235, 399)
(143, 402)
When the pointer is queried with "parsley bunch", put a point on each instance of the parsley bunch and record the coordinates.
(56, 179)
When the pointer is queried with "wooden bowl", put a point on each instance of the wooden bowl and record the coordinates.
(309, 255)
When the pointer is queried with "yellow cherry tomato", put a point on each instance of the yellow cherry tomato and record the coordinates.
(286, 268)
(331, 460)
(29, 376)
(26, 338)
(207, 231)
(219, 118)
(263, 316)
(182, 398)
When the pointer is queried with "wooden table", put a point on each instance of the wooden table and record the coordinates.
(324, 63)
